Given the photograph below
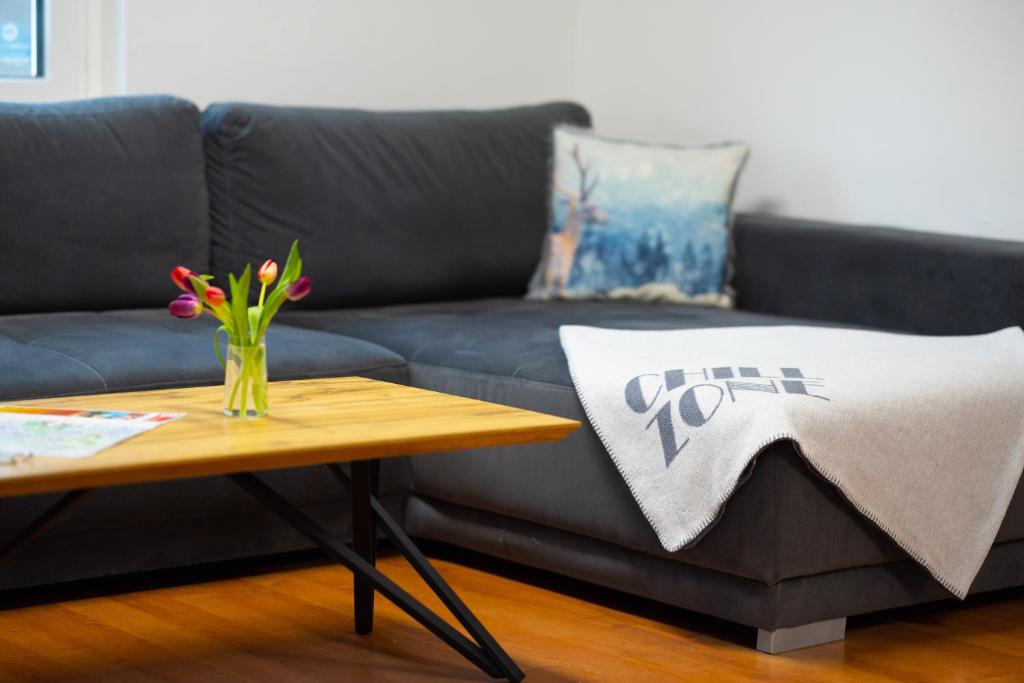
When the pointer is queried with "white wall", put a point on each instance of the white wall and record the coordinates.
(399, 54)
(900, 112)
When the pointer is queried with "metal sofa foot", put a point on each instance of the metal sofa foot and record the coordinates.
(786, 639)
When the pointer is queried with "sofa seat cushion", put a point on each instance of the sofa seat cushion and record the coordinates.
(514, 338)
(784, 522)
(52, 354)
(27, 371)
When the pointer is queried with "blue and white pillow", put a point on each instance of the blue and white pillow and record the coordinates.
(637, 221)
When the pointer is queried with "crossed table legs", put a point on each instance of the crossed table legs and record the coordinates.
(360, 559)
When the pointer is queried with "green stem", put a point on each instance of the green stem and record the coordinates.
(259, 387)
(249, 362)
(243, 376)
(234, 393)
(216, 345)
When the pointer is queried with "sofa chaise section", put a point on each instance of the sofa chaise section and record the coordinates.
(785, 523)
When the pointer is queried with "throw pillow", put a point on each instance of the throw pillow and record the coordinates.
(637, 221)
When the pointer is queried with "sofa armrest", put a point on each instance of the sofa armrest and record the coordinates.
(903, 280)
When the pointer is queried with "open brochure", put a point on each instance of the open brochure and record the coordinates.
(71, 433)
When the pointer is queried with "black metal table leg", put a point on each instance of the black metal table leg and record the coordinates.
(364, 538)
(315, 532)
(485, 653)
(433, 579)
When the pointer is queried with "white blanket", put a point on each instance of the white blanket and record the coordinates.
(923, 435)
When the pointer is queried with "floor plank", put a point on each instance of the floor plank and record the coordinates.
(293, 623)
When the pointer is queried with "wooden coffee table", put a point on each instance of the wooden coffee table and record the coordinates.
(312, 422)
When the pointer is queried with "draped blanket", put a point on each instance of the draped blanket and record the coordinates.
(922, 435)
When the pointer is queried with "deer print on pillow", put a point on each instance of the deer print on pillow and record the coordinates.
(632, 220)
(581, 212)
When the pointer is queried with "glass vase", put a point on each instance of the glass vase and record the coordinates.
(245, 380)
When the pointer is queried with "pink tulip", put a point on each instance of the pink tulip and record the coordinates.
(267, 273)
(215, 296)
(299, 289)
(187, 306)
(181, 277)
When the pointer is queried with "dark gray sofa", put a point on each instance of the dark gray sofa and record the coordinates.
(421, 230)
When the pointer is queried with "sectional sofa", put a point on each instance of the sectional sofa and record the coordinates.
(420, 231)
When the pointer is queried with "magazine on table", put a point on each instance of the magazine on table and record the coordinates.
(69, 433)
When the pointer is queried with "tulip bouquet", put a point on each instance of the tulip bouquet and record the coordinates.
(245, 368)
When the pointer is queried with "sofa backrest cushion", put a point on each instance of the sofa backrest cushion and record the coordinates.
(99, 199)
(389, 207)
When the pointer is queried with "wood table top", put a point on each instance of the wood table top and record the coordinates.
(311, 422)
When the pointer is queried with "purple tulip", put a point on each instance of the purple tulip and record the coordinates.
(186, 306)
(299, 289)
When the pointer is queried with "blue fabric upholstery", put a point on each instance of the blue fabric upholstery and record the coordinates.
(905, 280)
(390, 207)
(785, 522)
(98, 201)
(51, 354)
(509, 337)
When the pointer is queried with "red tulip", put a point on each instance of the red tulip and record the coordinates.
(267, 272)
(215, 296)
(299, 289)
(186, 306)
(180, 275)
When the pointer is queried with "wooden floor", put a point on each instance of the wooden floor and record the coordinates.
(293, 623)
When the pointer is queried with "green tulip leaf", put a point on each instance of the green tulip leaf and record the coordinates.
(240, 302)
(270, 309)
(254, 323)
(292, 268)
(199, 285)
